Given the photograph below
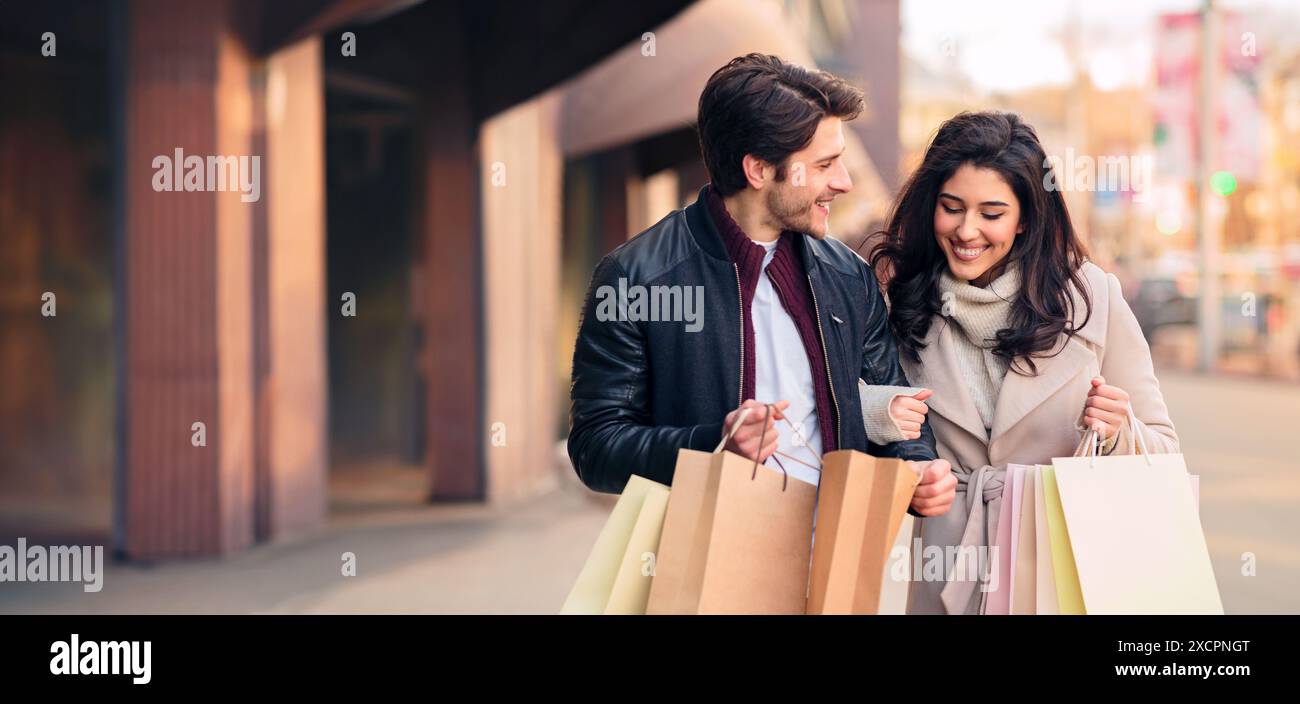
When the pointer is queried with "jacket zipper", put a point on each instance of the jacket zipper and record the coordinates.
(826, 357)
(740, 305)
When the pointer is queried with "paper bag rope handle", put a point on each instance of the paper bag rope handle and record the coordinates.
(1092, 442)
(740, 419)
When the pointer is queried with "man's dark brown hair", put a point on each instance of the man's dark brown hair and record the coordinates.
(758, 104)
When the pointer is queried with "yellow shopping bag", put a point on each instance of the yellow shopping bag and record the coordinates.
(617, 575)
(1068, 596)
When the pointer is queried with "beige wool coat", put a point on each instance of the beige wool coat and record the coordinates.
(1035, 419)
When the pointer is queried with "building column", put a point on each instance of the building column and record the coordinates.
(188, 288)
(448, 245)
(296, 395)
(522, 185)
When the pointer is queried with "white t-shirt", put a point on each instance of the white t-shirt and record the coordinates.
(782, 373)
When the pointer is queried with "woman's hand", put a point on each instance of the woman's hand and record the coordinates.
(909, 413)
(937, 490)
(1106, 408)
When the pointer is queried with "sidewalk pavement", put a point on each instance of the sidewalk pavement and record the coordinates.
(448, 559)
(1238, 434)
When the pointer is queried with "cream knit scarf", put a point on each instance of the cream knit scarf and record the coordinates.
(977, 314)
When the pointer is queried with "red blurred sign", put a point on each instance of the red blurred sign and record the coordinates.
(1177, 98)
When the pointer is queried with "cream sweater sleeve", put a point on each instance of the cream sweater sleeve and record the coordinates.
(880, 426)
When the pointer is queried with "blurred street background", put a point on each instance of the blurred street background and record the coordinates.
(374, 352)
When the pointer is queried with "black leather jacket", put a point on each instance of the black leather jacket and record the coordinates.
(642, 390)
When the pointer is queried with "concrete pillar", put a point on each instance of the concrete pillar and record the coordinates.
(296, 401)
(521, 182)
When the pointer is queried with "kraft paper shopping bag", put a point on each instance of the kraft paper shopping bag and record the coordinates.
(862, 503)
(614, 579)
(736, 539)
(685, 511)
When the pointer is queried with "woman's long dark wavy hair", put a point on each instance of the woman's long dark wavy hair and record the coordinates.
(1048, 251)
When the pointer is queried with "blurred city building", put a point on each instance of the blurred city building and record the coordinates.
(389, 321)
(181, 308)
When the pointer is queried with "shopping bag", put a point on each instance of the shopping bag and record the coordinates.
(615, 578)
(862, 503)
(1003, 548)
(736, 539)
(1069, 598)
(1024, 590)
(1045, 601)
(898, 569)
(1135, 534)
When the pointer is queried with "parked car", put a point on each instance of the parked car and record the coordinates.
(1159, 302)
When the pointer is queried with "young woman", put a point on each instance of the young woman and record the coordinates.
(996, 308)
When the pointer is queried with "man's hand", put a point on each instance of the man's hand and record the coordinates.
(744, 441)
(909, 412)
(937, 490)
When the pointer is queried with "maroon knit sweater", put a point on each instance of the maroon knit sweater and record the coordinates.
(793, 289)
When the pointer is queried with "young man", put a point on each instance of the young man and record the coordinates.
(785, 315)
